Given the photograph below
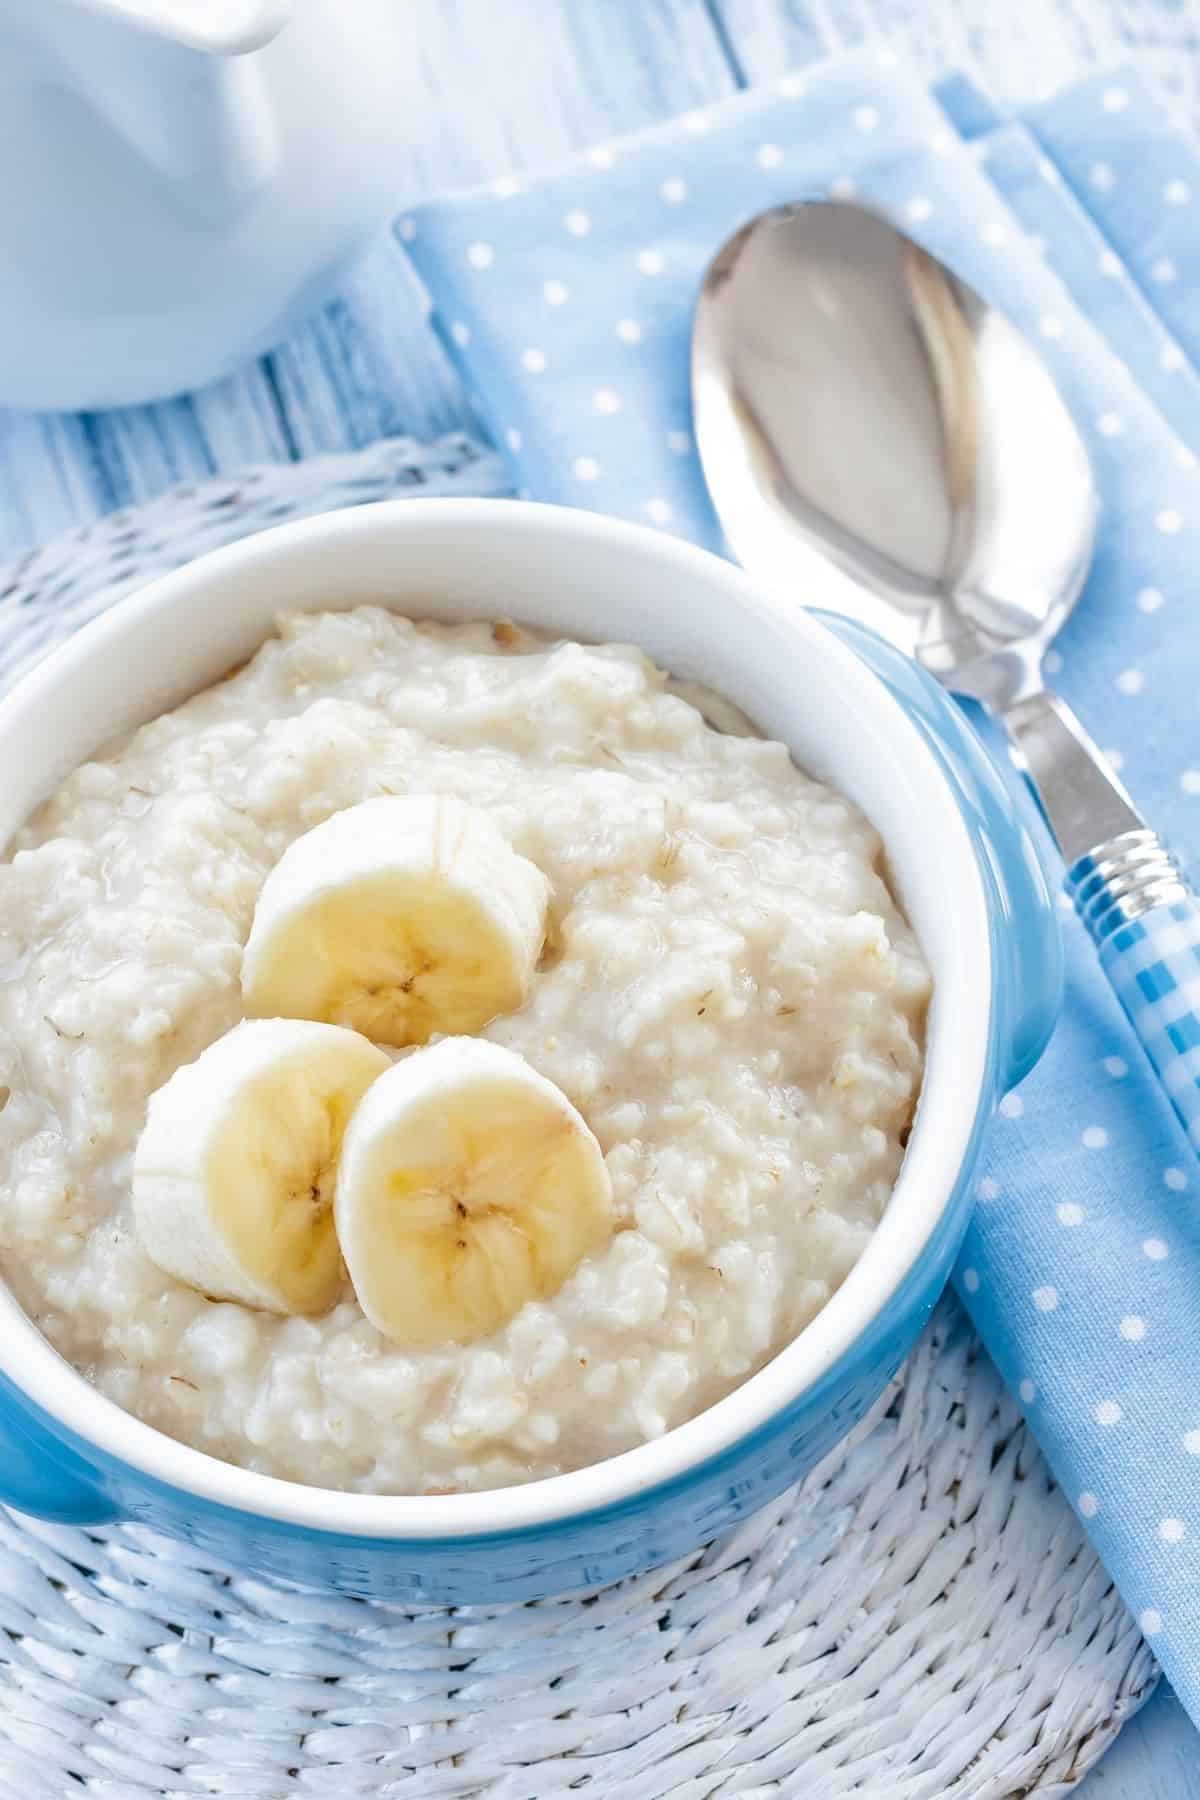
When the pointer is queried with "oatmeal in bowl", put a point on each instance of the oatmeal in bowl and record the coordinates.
(497, 1015)
(710, 968)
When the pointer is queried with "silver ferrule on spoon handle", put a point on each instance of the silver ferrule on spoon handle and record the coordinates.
(1138, 906)
(1117, 868)
(1123, 879)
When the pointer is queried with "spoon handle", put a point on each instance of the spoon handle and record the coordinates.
(1145, 919)
(1138, 906)
(1084, 802)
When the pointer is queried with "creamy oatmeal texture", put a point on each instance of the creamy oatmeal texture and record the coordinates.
(729, 996)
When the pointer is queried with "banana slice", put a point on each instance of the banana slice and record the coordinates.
(401, 917)
(233, 1176)
(468, 1185)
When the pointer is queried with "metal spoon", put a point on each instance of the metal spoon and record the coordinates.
(873, 431)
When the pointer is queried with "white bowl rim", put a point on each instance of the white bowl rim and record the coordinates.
(935, 1153)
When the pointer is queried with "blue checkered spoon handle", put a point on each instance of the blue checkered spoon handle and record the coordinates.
(1145, 920)
(1139, 907)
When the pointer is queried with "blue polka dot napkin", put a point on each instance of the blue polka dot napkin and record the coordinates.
(565, 300)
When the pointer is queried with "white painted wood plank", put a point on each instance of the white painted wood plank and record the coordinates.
(367, 367)
(514, 86)
(1020, 52)
(143, 449)
(240, 420)
(49, 478)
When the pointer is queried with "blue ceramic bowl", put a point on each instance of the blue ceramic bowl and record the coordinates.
(853, 712)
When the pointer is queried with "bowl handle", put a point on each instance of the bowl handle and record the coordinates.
(39, 1475)
(1026, 942)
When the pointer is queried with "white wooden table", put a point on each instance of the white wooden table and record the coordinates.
(497, 85)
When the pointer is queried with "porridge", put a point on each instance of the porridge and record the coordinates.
(726, 994)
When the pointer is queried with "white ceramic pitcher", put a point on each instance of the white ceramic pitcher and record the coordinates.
(181, 181)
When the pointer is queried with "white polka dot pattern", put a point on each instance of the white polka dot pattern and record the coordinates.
(1080, 1262)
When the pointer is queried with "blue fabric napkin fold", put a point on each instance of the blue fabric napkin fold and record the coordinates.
(566, 303)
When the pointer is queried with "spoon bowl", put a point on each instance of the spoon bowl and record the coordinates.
(856, 401)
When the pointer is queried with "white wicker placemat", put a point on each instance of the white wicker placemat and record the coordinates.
(920, 1620)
